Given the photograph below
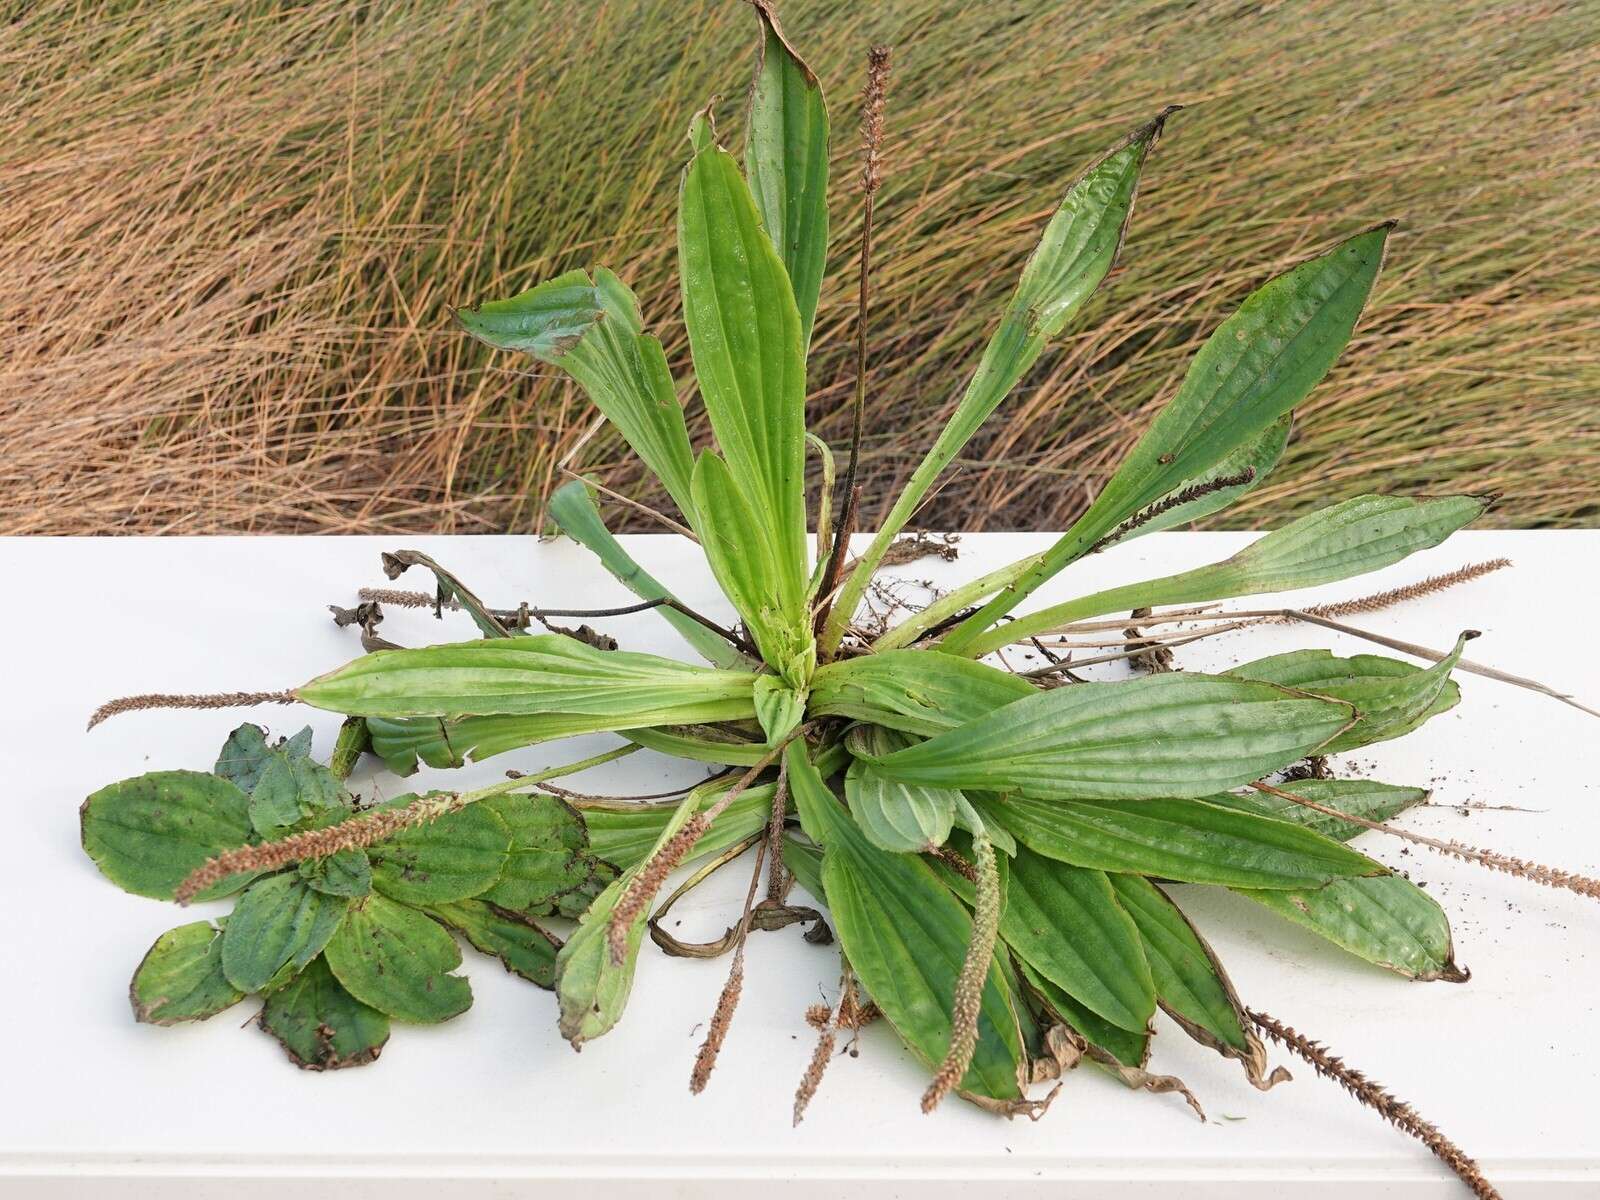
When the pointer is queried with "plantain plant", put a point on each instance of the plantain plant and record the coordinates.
(994, 847)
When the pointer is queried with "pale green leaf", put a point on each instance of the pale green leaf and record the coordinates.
(1160, 735)
(181, 977)
(779, 707)
(915, 691)
(906, 818)
(1358, 797)
(623, 832)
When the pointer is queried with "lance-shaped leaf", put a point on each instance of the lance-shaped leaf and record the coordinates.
(1257, 365)
(905, 818)
(737, 538)
(1129, 1047)
(702, 743)
(1065, 922)
(459, 855)
(591, 989)
(594, 332)
(1391, 698)
(1387, 920)
(278, 923)
(1358, 797)
(749, 357)
(573, 510)
(913, 691)
(320, 1025)
(1209, 491)
(1160, 735)
(623, 832)
(1076, 250)
(786, 157)
(181, 979)
(394, 959)
(1190, 983)
(148, 834)
(906, 936)
(549, 855)
(1186, 840)
(521, 944)
(544, 674)
(1351, 538)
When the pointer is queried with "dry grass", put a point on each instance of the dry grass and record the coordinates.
(232, 233)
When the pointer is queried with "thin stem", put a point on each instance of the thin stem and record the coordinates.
(662, 517)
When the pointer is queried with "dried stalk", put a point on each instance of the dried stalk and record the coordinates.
(148, 700)
(706, 1060)
(1374, 1096)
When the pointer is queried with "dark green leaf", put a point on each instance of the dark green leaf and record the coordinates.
(181, 979)
(1388, 921)
(1256, 458)
(906, 936)
(1160, 735)
(1130, 1048)
(291, 789)
(149, 833)
(394, 959)
(454, 857)
(548, 852)
(1065, 922)
(1358, 797)
(347, 873)
(1187, 840)
(517, 941)
(247, 753)
(279, 922)
(321, 1026)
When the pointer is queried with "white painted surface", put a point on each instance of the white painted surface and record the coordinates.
(484, 1105)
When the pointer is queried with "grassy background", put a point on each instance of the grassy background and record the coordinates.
(232, 233)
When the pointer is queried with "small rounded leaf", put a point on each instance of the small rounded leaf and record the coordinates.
(397, 961)
(279, 922)
(149, 833)
(457, 856)
(321, 1026)
(181, 977)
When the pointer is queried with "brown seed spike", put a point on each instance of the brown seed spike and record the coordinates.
(149, 700)
(1395, 1111)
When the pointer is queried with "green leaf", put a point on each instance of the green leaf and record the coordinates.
(148, 834)
(572, 508)
(900, 817)
(1360, 535)
(1358, 797)
(1391, 698)
(519, 942)
(740, 550)
(1130, 1048)
(394, 959)
(347, 873)
(181, 978)
(1160, 735)
(1065, 922)
(704, 743)
(292, 789)
(803, 859)
(1187, 840)
(1256, 458)
(749, 357)
(547, 674)
(1259, 364)
(247, 753)
(591, 989)
(1190, 983)
(279, 922)
(914, 691)
(452, 742)
(906, 936)
(623, 832)
(779, 707)
(786, 157)
(1387, 920)
(1076, 250)
(549, 852)
(454, 857)
(595, 334)
(321, 1026)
